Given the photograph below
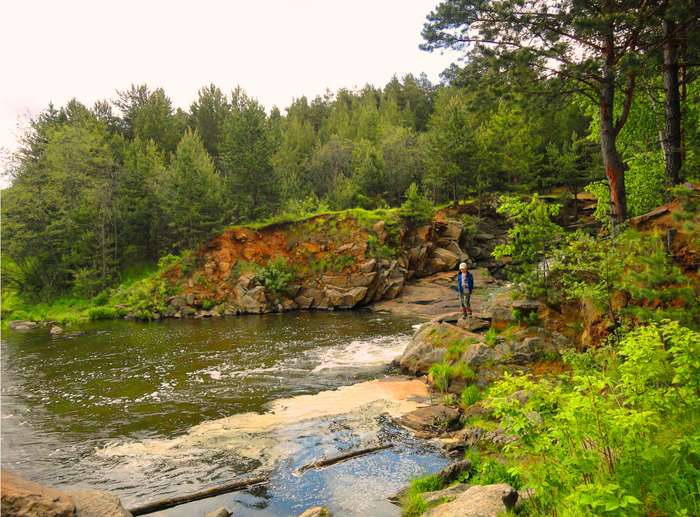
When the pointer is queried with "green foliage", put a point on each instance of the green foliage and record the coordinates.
(416, 210)
(102, 313)
(412, 503)
(637, 266)
(601, 191)
(619, 435)
(377, 250)
(443, 373)
(470, 395)
(440, 375)
(275, 276)
(645, 182)
(529, 240)
(491, 336)
(470, 226)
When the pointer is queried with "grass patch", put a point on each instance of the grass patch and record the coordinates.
(470, 395)
(443, 373)
(412, 503)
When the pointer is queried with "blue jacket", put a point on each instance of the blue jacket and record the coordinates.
(470, 282)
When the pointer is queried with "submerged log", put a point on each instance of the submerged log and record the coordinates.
(163, 504)
(326, 462)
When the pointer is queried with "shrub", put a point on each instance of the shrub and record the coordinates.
(275, 276)
(620, 435)
(102, 313)
(416, 209)
(470, 226)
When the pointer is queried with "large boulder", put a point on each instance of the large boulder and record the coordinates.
(431, 419)
(219, 512)
(428, 346)
(441, 259)
(479, 501)
(345, 281)
(345, 298)
(23, 498)
(452, 229)
(96, 503)
(446, 494)
(253, 301)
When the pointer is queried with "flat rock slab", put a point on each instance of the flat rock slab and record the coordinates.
(437, 295)
(431, 419)
(479, 501)
(473, 324)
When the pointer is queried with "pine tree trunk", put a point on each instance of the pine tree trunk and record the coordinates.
(614, 166)
(672, 138)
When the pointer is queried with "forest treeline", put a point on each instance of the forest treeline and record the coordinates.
(97, 189)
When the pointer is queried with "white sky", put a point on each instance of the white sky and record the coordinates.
(55, 50)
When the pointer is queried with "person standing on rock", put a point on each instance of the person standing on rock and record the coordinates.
(465, 286)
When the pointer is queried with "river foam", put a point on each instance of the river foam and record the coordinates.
(267, 435)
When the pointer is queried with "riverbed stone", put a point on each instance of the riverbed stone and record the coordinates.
(219, 512)
(23, 325)
(479, 501)
(55, 330)
(316, 511)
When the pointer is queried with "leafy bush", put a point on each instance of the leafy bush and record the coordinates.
(208, 304)
(379, 251)
(416, 209)
(275, 276)
(620, 435)
(102, 313)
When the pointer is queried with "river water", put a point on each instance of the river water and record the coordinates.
(162, 409)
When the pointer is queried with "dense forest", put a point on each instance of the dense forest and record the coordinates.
(577, 98)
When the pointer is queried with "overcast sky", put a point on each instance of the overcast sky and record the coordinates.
(276, 50)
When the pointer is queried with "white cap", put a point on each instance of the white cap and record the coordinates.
(463, 265)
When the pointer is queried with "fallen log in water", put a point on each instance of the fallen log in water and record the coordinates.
(157, 506)
(325, 462)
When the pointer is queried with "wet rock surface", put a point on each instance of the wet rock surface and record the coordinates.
(24, 498)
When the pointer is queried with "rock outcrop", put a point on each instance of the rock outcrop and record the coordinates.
(338, 262)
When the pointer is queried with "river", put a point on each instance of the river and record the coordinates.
(161, 409)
